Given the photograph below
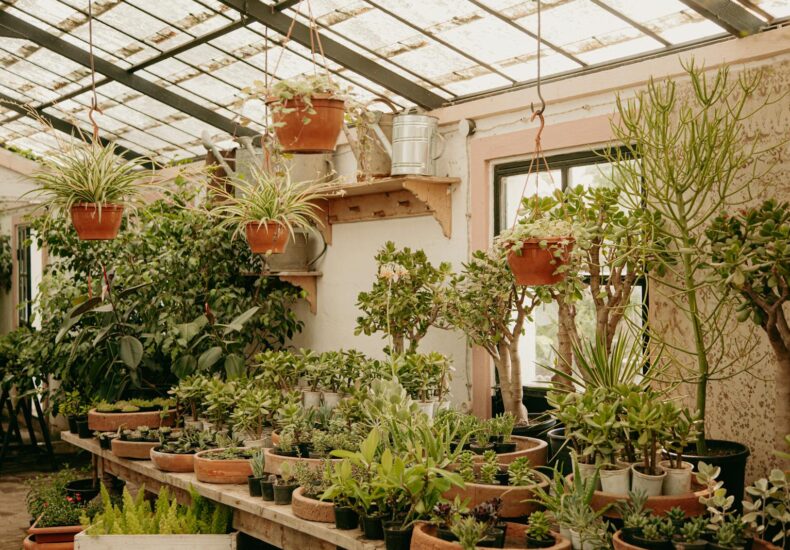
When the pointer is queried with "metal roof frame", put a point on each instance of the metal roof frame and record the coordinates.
(733, 17)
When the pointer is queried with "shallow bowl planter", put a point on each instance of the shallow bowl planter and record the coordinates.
(267, 238)
(311, 509)
(659, 505)
(273, 461)
(221, 471)
(46, 535)
(94, 224)
(110, 422)
(172, 542)
(140, 450)
(172, 462)
(536, 450)
(535, 265)
(30, 544)
(514, 499)
(319, 135)
(424, 538)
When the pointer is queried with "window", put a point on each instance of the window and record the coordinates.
(24, 280)
(589, 169)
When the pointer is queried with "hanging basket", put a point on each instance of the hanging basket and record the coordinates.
(535, 265)
(319, 134)
(93, 224)
(267, 238)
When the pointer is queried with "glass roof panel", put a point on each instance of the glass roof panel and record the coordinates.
(489, 39)
(623, 48)
(691, 28)
(776, 8)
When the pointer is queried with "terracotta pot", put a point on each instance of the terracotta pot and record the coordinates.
(133, 449)
(311, 509)
(46, 535)
(267, 238)
(538, 266)
(514, 499)
(93, 225)
(110, 422)
(760, 544)
(659, 505)
(221, 471)
(620, 544)
(171, 462)
(534, 449)
(273, 461)
(319, 135)
(424, 538)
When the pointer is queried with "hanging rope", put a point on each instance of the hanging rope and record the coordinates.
(94, 100)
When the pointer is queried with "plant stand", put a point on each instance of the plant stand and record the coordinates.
(13, 429)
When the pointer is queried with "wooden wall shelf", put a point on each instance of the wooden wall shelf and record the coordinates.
(393, 197)
(306, 280)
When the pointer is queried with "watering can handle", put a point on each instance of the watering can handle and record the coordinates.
(443, 145)
(384, 101)
(206, 138)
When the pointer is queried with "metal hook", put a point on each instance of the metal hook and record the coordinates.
(538, 114)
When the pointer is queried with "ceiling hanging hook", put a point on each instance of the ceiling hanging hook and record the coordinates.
(94, 100)
(540, 95)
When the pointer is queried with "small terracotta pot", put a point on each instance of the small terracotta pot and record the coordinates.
(93, 224)
(140, 450)
(221, 471)
(274, 460)
(110, 422)
(267, 238)
(536, 450)
(536, 266)
(46, 535)
(319, 135)
(514, 499)
(311, 509)
(424, 538)
(171, 462)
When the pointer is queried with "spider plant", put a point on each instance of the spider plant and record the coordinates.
(83, 172)
(270, 197)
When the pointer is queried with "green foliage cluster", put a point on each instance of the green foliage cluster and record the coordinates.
(167, 517)
(6, 262)
(45, 488)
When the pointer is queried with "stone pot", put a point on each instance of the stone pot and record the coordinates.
(221, 471)
(515, 500)
(310, 508)
(110, 422)
(425, 538)
(140, 450)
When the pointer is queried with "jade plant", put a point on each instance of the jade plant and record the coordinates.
(407, 298)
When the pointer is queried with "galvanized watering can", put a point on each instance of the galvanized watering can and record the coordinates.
(416, 144)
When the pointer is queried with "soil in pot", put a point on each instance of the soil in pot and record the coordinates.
(534, 265)
(652, 484)
(254, 485)
(283, 493)
(267, 490)
(292, 454)
(346, 518)
(397, 538)
(266, 238)
(83, 430)
(319, 135)
(731, 457)
(85, 488)
(372, 527)
(94, 224)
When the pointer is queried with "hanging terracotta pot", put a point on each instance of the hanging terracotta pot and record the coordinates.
(536, 265)
(94, 225)
(267, 238)
(319, 135)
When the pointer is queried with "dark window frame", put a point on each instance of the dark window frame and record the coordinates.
(24, 280)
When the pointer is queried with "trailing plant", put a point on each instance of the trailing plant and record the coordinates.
(407, 298)
(302, 88)
(712, 168)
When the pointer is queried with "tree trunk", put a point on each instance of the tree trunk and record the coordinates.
(782, 382)
(516, 387)
(564, 343)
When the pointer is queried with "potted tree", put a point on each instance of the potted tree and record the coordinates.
(538, 245)
(269, 207)
(91, 182)
(712, 170)
(645, 417)
(252, 412)
(307, 113)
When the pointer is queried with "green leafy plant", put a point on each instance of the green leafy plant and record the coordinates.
(258, 464)
(712, 167)
(314, 481)
(6, 262)
(303, 88)
(692, 529)
(188, 442)
(632, 510)
(254, 409)
(466, 466)
(406, 299)
(769, 507)
(489, 468)
(469, 532)
(539, 527)
(521, 474)
(230, 453)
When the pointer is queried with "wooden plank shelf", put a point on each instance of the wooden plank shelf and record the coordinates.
(266, 521)
(388, 198)
(306, 280)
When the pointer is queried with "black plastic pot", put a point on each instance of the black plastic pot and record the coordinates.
(303, 449)
(628, 534)
(396, 538)
(540, 424)
(497, 439)
(540, 543)
(502, 448)
(294, 453)
(372, 527)
(267, 490)
(560, 453)
(731, 457)
(283, 493)
(498, 537)
(502, 477)
(664, 544)
(346, 518)
(83, 430)
(446, 534)
(696, 545)
(480, 449)
(105, 443)
(72, 423)
(84, 488)
(254, 485)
